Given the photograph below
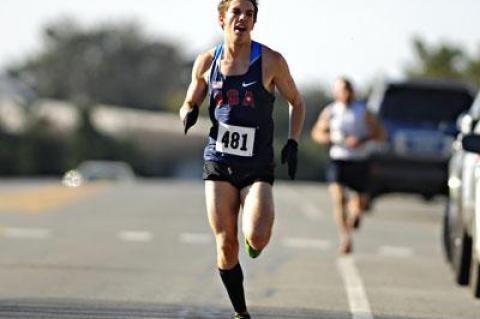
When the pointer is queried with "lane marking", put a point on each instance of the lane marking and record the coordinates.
(396, 251)
(195, 238)
(38, 200)
(357, 297)
(307, 243)
(135, 236)
(24, 233)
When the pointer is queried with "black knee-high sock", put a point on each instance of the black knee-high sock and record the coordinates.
(233, 281)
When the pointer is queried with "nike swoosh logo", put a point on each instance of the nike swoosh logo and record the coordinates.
(246, 85)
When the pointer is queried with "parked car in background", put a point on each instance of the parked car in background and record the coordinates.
(460, 232)
(472, 144)
(98, 170)
(419, 117)
(460, 203)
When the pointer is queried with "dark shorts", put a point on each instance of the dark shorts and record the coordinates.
(238, 176)
(352, 174)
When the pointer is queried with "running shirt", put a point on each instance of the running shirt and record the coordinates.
(241, 114)
(346, 121)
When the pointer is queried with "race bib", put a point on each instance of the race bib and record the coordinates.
(235, 140)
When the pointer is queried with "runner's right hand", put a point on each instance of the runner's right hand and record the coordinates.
(190, 118)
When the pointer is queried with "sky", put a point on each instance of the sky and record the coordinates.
(320, 39)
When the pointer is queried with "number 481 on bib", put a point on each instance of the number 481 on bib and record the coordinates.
(235, 140)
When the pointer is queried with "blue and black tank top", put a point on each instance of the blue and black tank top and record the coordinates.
(240, 110)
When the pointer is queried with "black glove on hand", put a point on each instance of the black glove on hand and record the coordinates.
(289, 155)
(191, 118)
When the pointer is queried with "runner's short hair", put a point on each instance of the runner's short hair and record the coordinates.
(223, 6)
(348, 84)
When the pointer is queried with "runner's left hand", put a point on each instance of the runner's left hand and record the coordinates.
(289, 155)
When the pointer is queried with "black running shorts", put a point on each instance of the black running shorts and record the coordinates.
(352, 174)
(238, 176)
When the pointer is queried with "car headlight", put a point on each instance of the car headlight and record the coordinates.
(72, 178)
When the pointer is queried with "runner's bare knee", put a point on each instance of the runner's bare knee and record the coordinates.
(227, 250)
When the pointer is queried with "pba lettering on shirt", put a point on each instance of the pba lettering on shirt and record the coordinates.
(234, 97)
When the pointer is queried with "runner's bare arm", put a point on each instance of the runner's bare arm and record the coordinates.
(286, 86)
(376, 130)
(321, 130)
(197, 90)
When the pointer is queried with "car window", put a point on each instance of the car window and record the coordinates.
(424, 104)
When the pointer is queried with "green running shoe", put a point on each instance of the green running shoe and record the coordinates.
(239, 316)
(252, 252)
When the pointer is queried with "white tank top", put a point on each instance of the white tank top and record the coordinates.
(344, 121)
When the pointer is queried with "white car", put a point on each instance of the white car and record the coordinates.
(471, 143)
(462, 214)
(98, 170)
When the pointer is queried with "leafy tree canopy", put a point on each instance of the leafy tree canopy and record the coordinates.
(444, 61)
(115, 64)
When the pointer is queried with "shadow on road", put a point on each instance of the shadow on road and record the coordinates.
(92, 309)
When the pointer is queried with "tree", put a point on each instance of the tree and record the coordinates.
(444, 61)
(113, 64)
(87, 143)
(472, 71)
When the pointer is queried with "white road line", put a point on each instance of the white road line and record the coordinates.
(393, 251)
(307, 243)
(24, 233)
(135, 236)
(195, 238)
(357, 298)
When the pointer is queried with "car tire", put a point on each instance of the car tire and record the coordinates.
(475, 268)
(475, 279)
(461, 259)
(446, 233)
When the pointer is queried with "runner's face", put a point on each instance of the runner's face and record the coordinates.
(341, 93)
(238, 20)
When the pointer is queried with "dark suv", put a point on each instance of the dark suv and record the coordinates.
(419, 117)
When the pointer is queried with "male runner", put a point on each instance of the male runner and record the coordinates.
(347, 127)
(240, 76)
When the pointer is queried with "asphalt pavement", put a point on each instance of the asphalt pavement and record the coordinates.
(144, 250)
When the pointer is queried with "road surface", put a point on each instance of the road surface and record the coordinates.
(144, 250)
